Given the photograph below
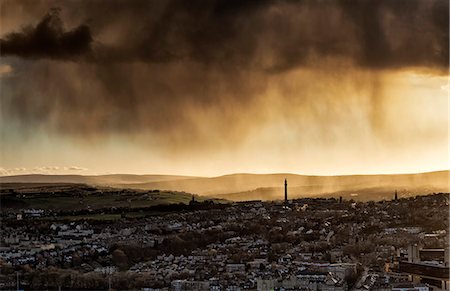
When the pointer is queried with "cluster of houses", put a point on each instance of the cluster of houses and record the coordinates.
(306, 244)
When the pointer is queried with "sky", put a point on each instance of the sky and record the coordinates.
(212, 87)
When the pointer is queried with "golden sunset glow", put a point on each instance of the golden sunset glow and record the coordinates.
(252, 99)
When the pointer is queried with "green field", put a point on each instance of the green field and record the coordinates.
(79, 196)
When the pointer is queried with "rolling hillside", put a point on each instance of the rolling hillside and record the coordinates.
(113, 179)
(71, 196)
(264, 186)
(270, 186)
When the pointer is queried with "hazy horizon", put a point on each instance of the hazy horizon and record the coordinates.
(49, 173)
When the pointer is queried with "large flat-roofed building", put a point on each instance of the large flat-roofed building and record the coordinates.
(410, 287)
(435, 273)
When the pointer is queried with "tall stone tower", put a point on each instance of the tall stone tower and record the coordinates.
(285, 191)
(396, 197)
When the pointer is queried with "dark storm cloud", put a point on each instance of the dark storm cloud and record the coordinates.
(374, 34)
(191, 71)
(400, 33)
(48, 40)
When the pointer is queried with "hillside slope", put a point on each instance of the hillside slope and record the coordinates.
(114, 179)
(301, 185)
(263, 186)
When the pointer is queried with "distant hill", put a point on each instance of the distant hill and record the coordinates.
(113, 179)
(270, 186)
(267, 186)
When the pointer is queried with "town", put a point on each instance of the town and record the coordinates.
(303, 244)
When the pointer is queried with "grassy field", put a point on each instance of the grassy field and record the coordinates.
(79, 196)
